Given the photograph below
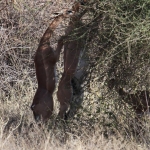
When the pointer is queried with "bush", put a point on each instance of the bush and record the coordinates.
(117, 47)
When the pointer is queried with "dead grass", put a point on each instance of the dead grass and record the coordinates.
(101, 124)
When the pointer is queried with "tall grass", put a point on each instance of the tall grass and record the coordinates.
(119, 49)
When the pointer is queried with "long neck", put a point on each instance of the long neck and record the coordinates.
(48, 33)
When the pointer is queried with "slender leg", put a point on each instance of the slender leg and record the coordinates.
(64, 94)
(59, 47)
(45, 61)
(49, 60)
(41, 76)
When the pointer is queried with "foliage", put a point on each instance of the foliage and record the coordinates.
(117, 46)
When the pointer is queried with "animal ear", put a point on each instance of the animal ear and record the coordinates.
(76, 7)
(83, 2)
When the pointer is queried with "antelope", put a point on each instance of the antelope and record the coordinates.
(45, 61)
(72, 50)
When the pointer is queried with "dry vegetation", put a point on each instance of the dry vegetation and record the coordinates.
(119, 48)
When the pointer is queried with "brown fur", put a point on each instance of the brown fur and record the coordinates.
(72, 49)
(45, 60)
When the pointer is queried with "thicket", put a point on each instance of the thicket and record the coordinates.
(119, 50)
(117, 47)
(121, 41)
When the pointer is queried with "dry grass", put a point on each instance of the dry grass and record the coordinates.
(48, 141)
(101, 124)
